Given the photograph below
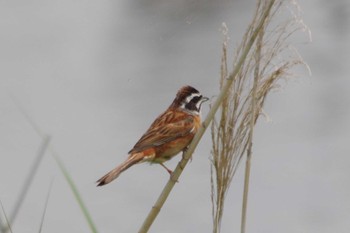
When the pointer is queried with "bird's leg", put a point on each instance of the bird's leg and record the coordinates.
(167, 169)
(170, 172)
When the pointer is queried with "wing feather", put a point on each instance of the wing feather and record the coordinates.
(166, 128)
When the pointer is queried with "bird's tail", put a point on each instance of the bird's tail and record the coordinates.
(110, 176)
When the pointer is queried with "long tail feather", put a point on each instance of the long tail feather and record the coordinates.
(110, 176)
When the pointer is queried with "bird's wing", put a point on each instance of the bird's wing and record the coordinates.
(167, 127)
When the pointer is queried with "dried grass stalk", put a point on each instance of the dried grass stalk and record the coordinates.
(270, 60)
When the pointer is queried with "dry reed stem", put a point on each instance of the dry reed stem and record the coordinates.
(251, 130)
(232, 133)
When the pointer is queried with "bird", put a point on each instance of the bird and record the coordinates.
(169, 134)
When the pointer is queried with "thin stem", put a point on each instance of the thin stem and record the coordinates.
(55, 155)
(245, 193)
(45, 207)
(252, 121)
(23, 193)
(8, 225)
(76, 193)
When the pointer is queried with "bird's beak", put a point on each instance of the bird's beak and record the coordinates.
(204, 99)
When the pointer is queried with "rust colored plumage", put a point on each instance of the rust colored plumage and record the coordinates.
(168, 135)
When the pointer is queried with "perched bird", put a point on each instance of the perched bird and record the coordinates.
(169, 134)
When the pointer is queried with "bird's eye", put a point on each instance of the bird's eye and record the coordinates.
(195, 99)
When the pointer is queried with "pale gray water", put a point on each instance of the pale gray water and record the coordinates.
(94, 74)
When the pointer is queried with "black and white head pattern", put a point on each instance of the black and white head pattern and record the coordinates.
(190, 100)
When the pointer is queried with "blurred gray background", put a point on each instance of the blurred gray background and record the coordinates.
(94, 75)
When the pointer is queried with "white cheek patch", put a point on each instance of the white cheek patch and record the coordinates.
(198, 105)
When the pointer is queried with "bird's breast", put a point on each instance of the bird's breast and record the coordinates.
(172, 148)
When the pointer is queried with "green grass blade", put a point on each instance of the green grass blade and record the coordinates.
(28, 181)
(45, 207)
(8, 225)
(76, 195)
(60, 164)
